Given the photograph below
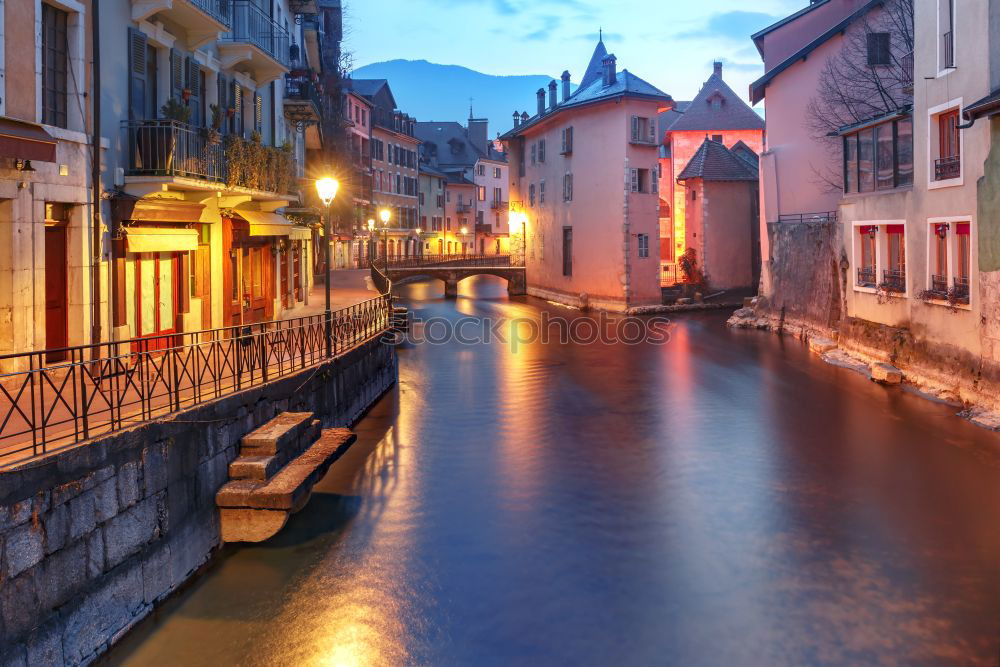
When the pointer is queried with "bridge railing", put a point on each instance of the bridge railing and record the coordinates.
(457, 261)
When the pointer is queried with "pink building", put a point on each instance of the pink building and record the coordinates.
(719, 114)
(583, 199)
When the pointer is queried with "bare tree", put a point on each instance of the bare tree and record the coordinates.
(865, 80)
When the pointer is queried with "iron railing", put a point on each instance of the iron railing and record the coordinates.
(463, 208)
(894, 280)
(217, 9)
(484, 228)
(948, 48)
(826, 216)
(947, 167)
(906, 75)
(252, 26)
(303, 89)
(100, 388)
(939, 286)
(866, 276)
(668, 275)
(173, 148)
(961, 289)
(456, 261)
(498, 205)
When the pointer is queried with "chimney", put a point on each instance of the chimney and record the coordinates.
(517, 119)
(609, 64)
(565, 85)
(541, 101)
(478, 133)
(552, 94)
(524, 117)
(718, 68)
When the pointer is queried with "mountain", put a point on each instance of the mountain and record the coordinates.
(428, 91)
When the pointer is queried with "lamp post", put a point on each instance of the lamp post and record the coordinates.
(384, 216)
(371, 244)
(326, 188)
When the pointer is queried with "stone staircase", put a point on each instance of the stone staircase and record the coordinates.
(273, 476)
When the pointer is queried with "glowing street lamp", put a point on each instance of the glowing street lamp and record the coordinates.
(327, 188)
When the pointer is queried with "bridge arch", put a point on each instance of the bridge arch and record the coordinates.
(451, 276)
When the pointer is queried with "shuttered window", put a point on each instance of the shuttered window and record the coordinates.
(55, 61)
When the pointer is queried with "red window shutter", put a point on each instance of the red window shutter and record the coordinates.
(962, 228)
(865, 230)
(895, 229)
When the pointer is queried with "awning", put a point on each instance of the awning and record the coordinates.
(266, 224)
(160, 239)
(300, 233)
(26, 141)
(166, 210)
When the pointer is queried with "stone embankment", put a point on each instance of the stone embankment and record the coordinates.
(93, 537)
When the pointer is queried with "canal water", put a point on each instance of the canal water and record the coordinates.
(722, 499)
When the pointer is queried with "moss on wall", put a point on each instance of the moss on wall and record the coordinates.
(988, 225)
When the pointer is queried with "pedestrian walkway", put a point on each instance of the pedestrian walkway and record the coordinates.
(347, 288)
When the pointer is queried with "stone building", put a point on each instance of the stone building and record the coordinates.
(584, 202)
(716, 113)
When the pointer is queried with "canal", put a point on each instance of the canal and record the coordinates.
(725, 498)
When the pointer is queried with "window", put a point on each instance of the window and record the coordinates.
(948, 164)
(946, 21)
(55, 63)
(568, 187)
(879, 158)
(541, 192)
(717, 138)
(878, 49)
(482, 170)
(541, 150)
(866, 161)
(885, 158)
(894, 278)
(567, 251)
(643, 130)
(498, 194)
(497, 173)
(567, 140)
(867, 236)
(939, 259)
(482, 192)
(531, 194)
(534, 153)
(643, 246)
(421, 199)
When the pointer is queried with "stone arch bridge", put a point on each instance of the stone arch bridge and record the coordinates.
(451, 269)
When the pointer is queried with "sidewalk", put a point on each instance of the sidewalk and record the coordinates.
(347, 287)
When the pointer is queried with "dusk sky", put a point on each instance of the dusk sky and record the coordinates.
(670, 44)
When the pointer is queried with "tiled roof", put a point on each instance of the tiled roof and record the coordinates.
(747, 154)
(626, 84)
(666, 119)
(594, 68)
(446, 143)
(367, 87)
(731, 113)
(715, 162)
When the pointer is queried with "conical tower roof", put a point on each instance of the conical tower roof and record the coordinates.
(594, 69)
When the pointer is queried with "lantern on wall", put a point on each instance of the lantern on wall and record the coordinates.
(873, 231)
(941, 229)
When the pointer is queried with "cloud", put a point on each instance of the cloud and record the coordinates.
(737, 25)
(544, 32)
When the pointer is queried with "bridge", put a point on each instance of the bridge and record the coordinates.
(451, 269)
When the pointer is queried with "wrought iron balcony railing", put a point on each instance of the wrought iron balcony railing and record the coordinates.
(498, 205)
(961, 289)
(252, 26)
(906, 75)
(939, 286)
(220, 10)
(948, 49)
(463, 208)
(303, 88)
(866, 276)
(947, 168)
(172, 148)
(826, 216)
(484, 228)
(894, 280)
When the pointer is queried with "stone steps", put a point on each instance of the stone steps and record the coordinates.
(273, 476)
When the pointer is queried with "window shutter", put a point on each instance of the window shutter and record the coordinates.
(258, 112)
(563, 134)
(176, 72)
(541, 150)
(654, 180)
(652, 129)
(635, 128)
(137, 74)
(137, 51)
(633, 180)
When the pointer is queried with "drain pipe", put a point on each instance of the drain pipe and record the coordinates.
(95, 21)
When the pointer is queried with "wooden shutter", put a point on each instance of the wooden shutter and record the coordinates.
(176, 73)
(652, 129)
(633, 175)
(238, 106)
(193, 83)
(137, 68)
(654, 180)
(635, 128)
(541, 150)
(258, 112)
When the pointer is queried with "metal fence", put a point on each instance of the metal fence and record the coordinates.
(822, 217)
(217, 9)
(457, 261)
(100, 388)
(173, 148)
(252, 26)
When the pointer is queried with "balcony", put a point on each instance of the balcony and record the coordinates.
(948, 50)
(961, 290)
(906, 73)
(255, 42)
(307, 7)
(498, 205)
(947, 168)
(463, 208)
(824, 217)
(303, 101)
(482, 228)
(894, 280)
(866, 276)
(939, 287)
(203, 20)
(159, 152)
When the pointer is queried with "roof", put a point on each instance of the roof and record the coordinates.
(747, 154)
(594, 68)
(715, 162)
(425, 168)
(369, 87)
(731, 113)
(626, 84)
(788, 19)
(758, 86)
(666, 119)
(447, 143)
(988, 106)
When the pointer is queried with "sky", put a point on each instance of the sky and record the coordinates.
(670, 43)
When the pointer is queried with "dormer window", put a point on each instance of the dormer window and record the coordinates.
(716, 100)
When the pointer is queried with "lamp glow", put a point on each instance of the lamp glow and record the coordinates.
(465, 230)
(371, 225)
(326, 188)
(384, 215)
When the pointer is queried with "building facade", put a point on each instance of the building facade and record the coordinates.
(719, 114)
(432, 209)
(584, 200)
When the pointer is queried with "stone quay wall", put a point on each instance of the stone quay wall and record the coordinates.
(92, 538)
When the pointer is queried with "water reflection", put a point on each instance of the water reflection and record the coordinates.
(723, 499)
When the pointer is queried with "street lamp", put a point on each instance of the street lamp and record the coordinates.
(464, 230)
(371, 244)
(326, 188)
(384, 216)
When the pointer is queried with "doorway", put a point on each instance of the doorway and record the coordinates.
(157, 287)
(56, 311)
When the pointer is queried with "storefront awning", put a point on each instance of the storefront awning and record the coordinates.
(160, 239)
(263, 223)
(166, 210)
(26, 141)
(300, 233)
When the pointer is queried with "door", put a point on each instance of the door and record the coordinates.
(567, 249)
(56, 320)
(203, 283)
(258, 285)
(156, 294)
(283, 268)
(297, 269)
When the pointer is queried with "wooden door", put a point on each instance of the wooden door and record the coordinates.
(56, 315)
(157, 288)
(203, 283)
(297, 269)
(258, 284)
(283, 266)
